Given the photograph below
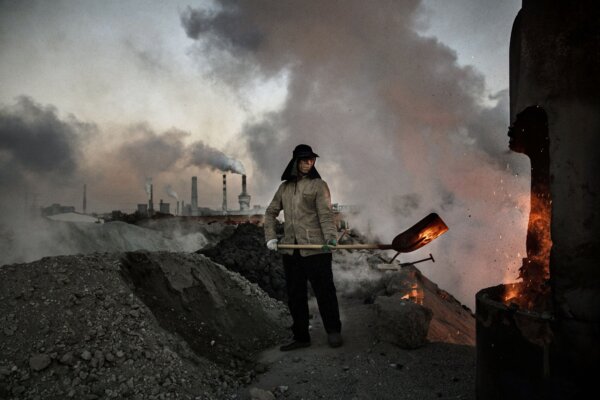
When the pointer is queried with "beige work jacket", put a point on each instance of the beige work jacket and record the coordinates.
(308, 218)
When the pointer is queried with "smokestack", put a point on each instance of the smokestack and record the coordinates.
(194, 194)
(84, 197)
(151, 202)
(224, 193)
(244, 198)
(177, 212)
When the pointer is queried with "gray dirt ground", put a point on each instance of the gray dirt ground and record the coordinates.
(364, 368)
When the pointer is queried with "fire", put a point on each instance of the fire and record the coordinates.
(420, 234)
(415, 294)
(431, 233)
(512, 293)
(535, 268)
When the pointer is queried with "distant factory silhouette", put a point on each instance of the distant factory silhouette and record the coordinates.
(192, 209)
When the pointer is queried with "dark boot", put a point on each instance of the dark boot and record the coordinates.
(335, 339)
(293, 345)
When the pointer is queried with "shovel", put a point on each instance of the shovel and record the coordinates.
(411, 239)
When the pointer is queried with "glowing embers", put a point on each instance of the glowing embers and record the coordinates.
(420, 234)
(529, 135)
(415, 294)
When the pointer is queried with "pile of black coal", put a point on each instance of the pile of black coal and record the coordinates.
(245, 252)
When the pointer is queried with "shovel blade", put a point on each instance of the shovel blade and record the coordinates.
(420, 234)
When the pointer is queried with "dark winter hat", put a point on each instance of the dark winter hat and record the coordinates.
(304, 151)
(301, 151)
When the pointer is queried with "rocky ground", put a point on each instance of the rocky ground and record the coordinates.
(140, 325)
(157, 325)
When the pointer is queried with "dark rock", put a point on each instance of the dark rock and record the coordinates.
(402, 322)
(39, 362)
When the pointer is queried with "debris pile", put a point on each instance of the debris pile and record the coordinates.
(245, 252)
(138, 325)
(402, 322)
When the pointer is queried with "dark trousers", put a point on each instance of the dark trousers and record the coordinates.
(315, 269)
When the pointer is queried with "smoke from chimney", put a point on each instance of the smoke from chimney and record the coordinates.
(147, 186)
(204, 155)
(151, 201)
(169, 190)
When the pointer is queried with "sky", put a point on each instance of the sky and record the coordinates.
(405, 101)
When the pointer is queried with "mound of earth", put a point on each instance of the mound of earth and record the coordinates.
(245, 252)
(138, 325)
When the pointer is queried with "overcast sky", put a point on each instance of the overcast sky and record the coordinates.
(405, 101)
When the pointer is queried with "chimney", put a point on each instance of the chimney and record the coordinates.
(244, 198)
(151, 202)
(84, 197)
(224, 193)
(194, 195)
(177, 213)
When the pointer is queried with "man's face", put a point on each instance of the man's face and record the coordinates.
(305, 164)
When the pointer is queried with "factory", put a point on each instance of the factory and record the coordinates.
(193, 209)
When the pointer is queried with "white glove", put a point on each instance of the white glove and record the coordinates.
(272, 244)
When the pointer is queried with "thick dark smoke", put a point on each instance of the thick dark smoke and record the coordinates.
(401, 128)
(33, 140)
(37, 149)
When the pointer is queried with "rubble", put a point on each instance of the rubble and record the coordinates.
(245, 252)
(98, 335)
(402, 322)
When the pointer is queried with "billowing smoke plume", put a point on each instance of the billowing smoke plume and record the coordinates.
(203, 155)
(169, 190)
(37, 149)
(401, 128)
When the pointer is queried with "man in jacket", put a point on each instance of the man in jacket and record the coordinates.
(306, 203)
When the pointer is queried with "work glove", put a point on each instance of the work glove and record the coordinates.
(327, 246)
(272, 244)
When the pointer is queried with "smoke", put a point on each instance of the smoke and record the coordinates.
(38, 149)
(202, 155)
(148, 186)
(401, 128)
(169, 190)
(35, 140)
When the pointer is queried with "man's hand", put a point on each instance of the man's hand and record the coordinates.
(272, 244)
(327, 246)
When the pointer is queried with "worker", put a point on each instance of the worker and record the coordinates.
(308, 219)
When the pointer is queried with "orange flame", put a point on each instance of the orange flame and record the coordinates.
(535, 270)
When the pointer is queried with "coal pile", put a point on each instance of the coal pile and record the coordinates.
(136, 325)
(245, 252)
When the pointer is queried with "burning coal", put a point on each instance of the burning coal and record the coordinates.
(529, 135)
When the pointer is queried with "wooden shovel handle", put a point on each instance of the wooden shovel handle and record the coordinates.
(338, 247)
